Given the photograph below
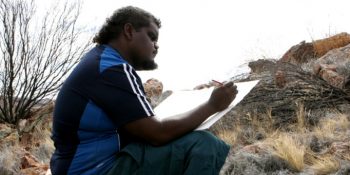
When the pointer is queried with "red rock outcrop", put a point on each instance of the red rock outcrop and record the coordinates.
(299, 53)
(31, 166)
(322, 46)
(304, 52)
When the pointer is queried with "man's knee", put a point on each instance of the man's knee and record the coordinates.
(203, 142)
(203, 137)
(205, 150)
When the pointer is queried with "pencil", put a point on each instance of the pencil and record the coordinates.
(218, 82)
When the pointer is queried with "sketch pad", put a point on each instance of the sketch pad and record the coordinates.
(182, 101)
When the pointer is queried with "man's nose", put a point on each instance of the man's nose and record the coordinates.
(156, 46)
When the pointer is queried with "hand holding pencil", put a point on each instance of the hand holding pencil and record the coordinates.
(223, 95)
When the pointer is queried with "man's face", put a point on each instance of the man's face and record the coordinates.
(145, 48)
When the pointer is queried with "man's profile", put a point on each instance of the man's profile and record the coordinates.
(103, 123)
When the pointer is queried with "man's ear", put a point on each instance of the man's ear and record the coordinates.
(128, 31)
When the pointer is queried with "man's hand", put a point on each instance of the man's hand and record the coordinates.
(158, 132)
(222, 96)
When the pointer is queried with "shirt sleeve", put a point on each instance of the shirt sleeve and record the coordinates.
(119, 92)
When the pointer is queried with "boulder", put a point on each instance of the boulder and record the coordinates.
(300, 53)
(10, 140)
(322, 46)
(31, 166)
(334, 67)
(304, 52)
(5, 130)
(284, 95)
(261, 65)
(165, 95)
(153, 89)
(29, 161)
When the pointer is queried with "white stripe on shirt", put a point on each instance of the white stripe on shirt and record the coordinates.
(139, 90)
(134, 90)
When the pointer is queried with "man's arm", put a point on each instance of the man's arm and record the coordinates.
(160, 132)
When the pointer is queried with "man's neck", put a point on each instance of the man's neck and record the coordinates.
(120, 48)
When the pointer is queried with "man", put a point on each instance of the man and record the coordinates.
(104, 124)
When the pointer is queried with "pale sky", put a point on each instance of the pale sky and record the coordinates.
(202, 40)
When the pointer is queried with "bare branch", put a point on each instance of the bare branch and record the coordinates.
(35, 59)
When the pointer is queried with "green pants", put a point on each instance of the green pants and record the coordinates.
(198, 152)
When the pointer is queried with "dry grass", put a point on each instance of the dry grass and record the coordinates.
(324, 165)
(253, 129)
(41, 132)
(10, 159)
(332, 128)
(262, 124)
(294, 146)
(42, 147)
(229, 136)
(289, 149)
(347, 157)
(301, 114)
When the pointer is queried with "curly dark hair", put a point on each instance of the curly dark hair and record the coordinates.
(113, 26)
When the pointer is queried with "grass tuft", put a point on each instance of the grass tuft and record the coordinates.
(228, 136)
(10, 159)
(325, 165)
(289, 149)
(332, 128)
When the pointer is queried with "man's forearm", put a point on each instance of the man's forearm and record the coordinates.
(178, 125)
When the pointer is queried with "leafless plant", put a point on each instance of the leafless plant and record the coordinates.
(35, 58)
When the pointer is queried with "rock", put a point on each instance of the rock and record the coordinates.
(5, 130)
(22, 124)
(251, 164)
(202, 86)
(304, 52)
(6, 171)
(340, 149)
(26, 139)
(153, 89)
(36, 170)
(206, 85)
(344, 169)
(334, 67)
(10, 159)
(299, 87)
(242, 163)
(274, 164)
(332, 77)
(261, 65)
(27, 149)
(11, 140)
(29, 161)
(31, 166)
(322, 46)
(280, 79)
(300, 53)
(258, 149)
(315, 145)
(347, 86)
(165, 95)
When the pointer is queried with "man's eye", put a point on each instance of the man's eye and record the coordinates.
(152, 37)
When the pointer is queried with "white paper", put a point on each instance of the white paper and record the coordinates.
(182, 101)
